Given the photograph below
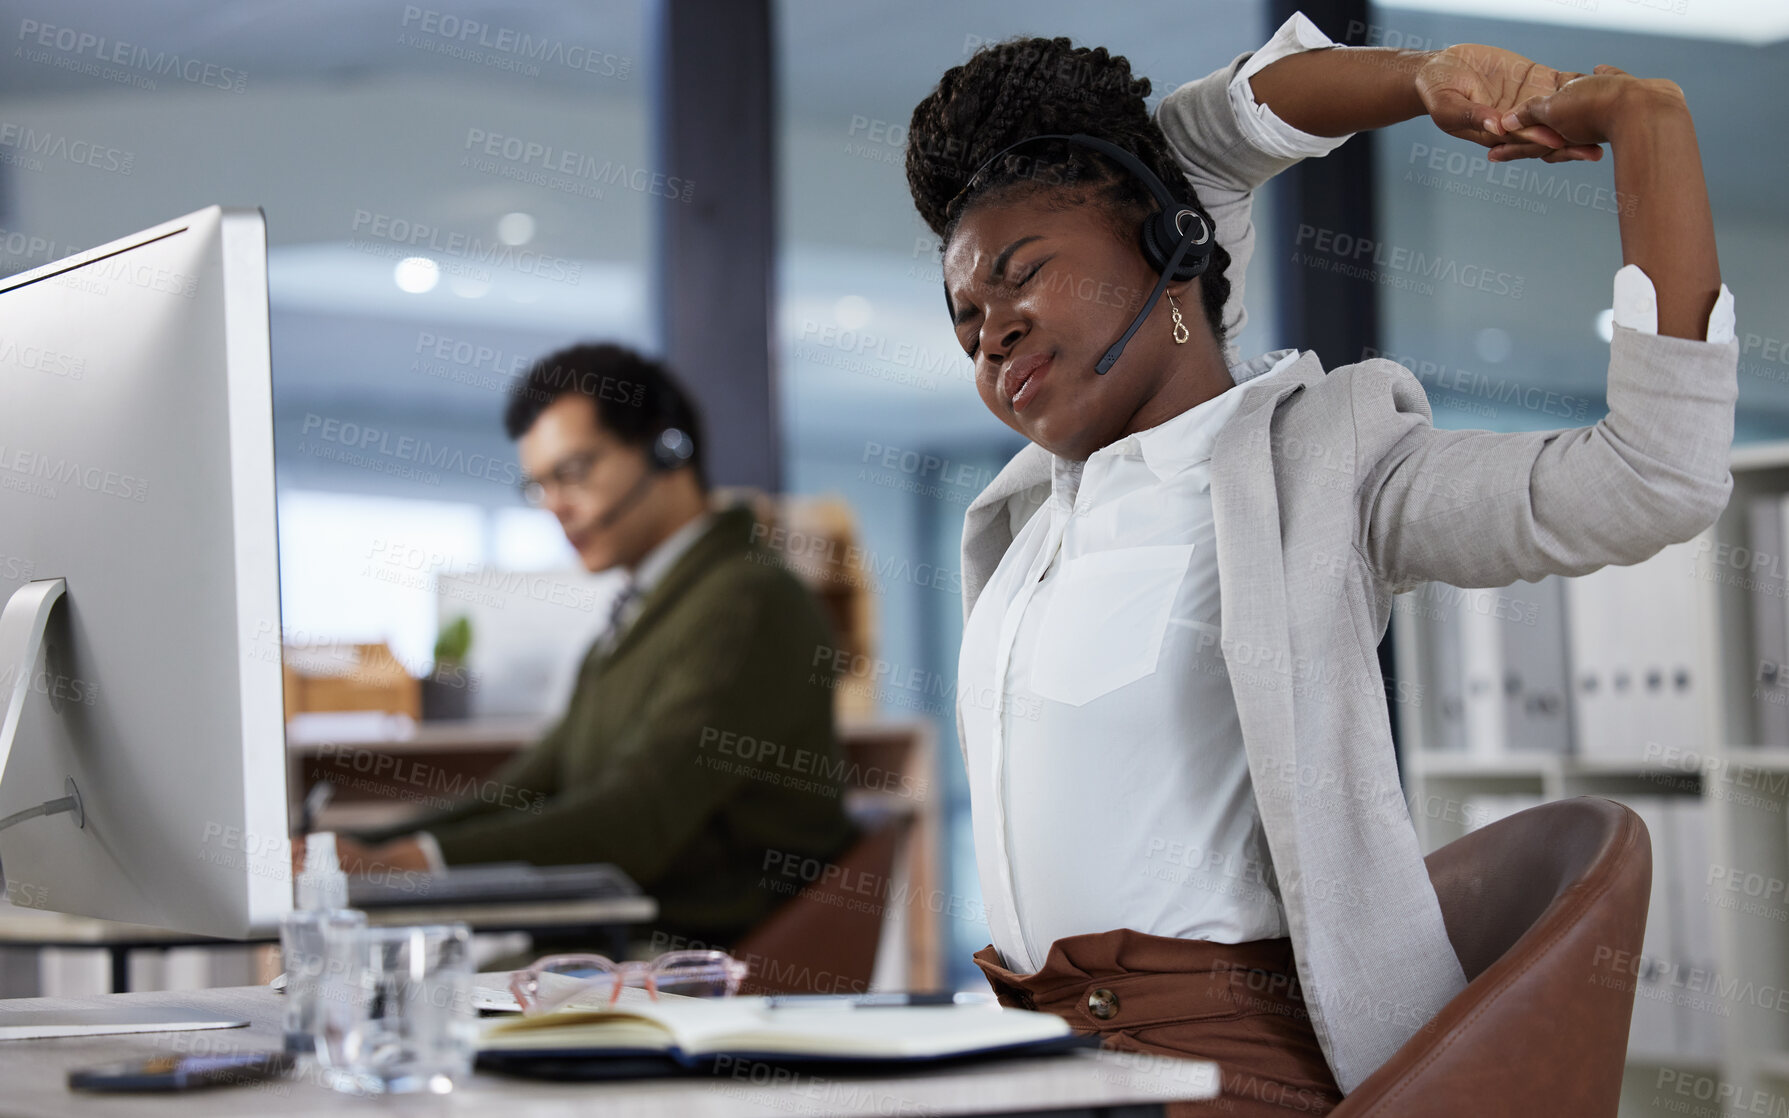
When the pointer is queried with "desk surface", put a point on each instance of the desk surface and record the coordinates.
(312, 734)
(34, 1074)
(25, 927)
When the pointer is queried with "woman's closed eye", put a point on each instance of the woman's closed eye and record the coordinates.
(975, 349)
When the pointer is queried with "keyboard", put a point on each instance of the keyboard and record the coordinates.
(490, 883)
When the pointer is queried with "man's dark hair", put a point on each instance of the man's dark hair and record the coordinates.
(635, 396)
(1021, 87)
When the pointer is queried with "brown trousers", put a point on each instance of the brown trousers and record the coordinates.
(1235, 1003)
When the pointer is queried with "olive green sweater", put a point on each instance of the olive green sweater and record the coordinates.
(698, 755)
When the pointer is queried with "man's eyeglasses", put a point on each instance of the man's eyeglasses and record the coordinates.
(552, 982)
(570, 472)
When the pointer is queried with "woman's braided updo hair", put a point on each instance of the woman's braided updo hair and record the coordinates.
(1024, 87)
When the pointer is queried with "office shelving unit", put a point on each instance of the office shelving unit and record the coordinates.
(1743, 786)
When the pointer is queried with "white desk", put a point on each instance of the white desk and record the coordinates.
(33, 1081)
(26, 927)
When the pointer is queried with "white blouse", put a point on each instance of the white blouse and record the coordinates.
(1108, 783)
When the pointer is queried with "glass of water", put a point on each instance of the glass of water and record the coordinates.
(404, 1011)
(311, 944)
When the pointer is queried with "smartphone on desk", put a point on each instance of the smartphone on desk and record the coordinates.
(179, 1073)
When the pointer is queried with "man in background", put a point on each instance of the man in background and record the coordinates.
(713, 641)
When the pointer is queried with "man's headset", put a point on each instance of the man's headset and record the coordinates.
(1170, 249)
(672, 450)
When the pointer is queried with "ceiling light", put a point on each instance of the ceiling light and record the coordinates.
(1492, 344)
(515, 228)
(852, 312)
(416, 274)
(468, 287)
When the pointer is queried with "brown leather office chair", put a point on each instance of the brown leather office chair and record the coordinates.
(823, 940)
(1546, 909)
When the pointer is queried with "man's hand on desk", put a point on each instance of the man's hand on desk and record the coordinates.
(358, 858)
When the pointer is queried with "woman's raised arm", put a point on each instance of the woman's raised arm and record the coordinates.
(1466, 89)
(1667, 229)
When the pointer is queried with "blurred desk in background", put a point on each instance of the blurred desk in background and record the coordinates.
(386, 767)
(604, 917)
(389, 767)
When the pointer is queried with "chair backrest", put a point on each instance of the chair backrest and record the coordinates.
(1517, 878)
(1546, 910)
(823, 940)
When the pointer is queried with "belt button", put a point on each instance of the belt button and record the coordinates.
(1102, 1003)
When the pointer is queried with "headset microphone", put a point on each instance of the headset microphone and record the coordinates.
(672, 448)
(1177, 254)
(628, 500)
(1161, 285)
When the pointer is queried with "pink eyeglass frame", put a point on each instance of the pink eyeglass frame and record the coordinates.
(711, 966)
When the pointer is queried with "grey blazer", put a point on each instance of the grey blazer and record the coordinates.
(1332, 491)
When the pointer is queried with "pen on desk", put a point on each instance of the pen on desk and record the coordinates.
(874, 1001)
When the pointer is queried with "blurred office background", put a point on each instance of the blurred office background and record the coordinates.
(353, 124)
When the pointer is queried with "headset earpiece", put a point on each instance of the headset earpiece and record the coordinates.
(673, 448)
(1164, 231)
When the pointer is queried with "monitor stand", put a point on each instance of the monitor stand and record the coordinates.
(22, 625)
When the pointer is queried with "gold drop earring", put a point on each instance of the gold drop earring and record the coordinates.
(1180, 334)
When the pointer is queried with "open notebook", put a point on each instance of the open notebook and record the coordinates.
(641, 1035)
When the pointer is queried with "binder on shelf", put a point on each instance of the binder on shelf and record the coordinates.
(1440, 622)
(1500, 658)
(1653, 1030)
(1678, 679)
(1481, 673)
(1699, 1028)
(1536, 687)
(1765, 534)
(1677, 676)
(1641, 672)
(1595, 633)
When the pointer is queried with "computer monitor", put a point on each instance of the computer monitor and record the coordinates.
(142, 751)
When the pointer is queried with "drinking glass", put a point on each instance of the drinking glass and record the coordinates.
(400, 1017)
